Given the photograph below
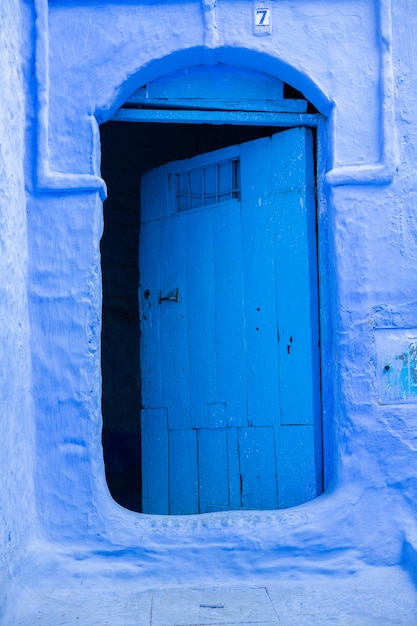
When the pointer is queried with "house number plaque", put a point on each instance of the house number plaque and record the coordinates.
(262, 23)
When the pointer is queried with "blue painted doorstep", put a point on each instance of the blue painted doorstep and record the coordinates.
(229, 329)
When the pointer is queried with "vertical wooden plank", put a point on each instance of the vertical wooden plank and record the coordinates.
(235, 495)
(217, 414)
(174, 322)
(229, 311)
(155, 497)
(201, 315)
(297, 299)
(258, 245)
(258, 468)
(256, 169)
(183, 472)
(149, 285)
(213, 470)
(298, 480)
(154, 194)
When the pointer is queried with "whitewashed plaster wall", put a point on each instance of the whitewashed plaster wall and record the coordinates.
(350, 58)
(17, 515)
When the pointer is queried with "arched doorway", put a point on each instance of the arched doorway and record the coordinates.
(281, 374)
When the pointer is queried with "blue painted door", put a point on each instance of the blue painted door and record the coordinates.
(229, 329)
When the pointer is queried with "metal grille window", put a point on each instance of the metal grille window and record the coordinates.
(217, 182)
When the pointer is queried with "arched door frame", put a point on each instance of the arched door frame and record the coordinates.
(136, 111)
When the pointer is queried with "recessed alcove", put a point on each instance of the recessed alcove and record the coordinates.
(231, 109)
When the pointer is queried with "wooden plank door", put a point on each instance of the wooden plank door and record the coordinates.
(229, 329)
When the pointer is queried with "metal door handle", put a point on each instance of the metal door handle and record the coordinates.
(172, 296)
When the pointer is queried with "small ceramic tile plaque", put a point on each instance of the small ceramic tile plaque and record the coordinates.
(397, 365)
(262, 18)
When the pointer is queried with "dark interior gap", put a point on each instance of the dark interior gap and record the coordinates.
(291, 93)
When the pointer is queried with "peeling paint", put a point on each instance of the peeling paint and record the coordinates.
(397, 365)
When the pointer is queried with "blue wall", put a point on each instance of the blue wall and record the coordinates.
(355, 62)
(17, 517)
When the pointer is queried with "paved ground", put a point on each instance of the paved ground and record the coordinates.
(372, 597)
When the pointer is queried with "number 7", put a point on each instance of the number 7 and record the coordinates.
(263, 13)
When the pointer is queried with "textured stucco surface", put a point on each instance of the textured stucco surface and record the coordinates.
(16, 499)
(98, 54)
(373, 596)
